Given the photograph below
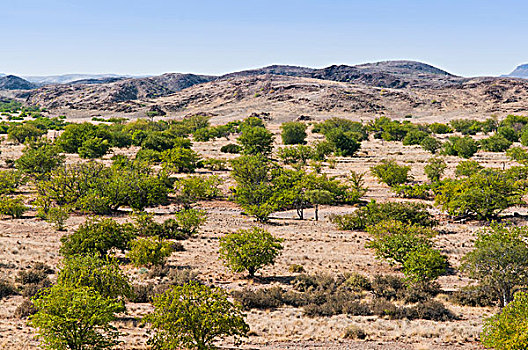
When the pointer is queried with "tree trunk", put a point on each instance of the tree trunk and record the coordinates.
(317, 212)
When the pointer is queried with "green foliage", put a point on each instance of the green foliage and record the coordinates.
(499, 260)
(149, 251)
(464, 147)
(58, 216)
(188, 221)
(39, 159)
(471, 127)
(101, 274)
(191, 189)
(299, 154)
(439, 128)
(231, 148)
(94, 148)
(293, 133)
(483, 195)
(97, 236)
(390, 173)
(374, 212)
(414, 137)
(23, 132)
(416, 191)
(431, 144)
(215, 164)
(355, 129)
(77, 135)
(94, 188)
(256, 140)
(13, 207)
(249, 250)
(508, 330)
(75, 318)
(9, 181)
(468, 168)
(518, 154)
(410, 246)
(180, 160)
(194, 317)
(495, 143)
(344, 143)
(435, 168)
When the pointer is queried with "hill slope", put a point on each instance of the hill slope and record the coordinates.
(520, 72)
(12, 82)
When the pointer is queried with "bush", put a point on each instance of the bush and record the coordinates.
(435, 168)
(356, 129)
(75, 318)
(215, 164)
(390, 173)
(189, 220)
(431, 144)
(344, 143)
(495, 143)
(149, 251)
(464, 147)
(256, 140)
(194, 188)
(180, 160)
(374, 212)
(101, 275)
(414, 137)
(293, 133)
(6, 289)
(264, 299)
(94, 148)
(23, 132)
(508, 330)
(468, 168)
(433, 310)
(354, 332)
(13, 207)
(481, 296)
(417, 191)
(483, 195)
(499, 260)
(97, 236)
(25, 309)
(299, 154)
(387, 287)
(193, 317)
(249, 250)
(358, 282)
(9, 181)
(231, 148)
(439, 128)
(58, 216)
(39, 159)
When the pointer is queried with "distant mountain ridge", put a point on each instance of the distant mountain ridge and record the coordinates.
(69, 78)
(520, 72)
(12, 82)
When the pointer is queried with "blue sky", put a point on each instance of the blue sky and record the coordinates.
(465, 37)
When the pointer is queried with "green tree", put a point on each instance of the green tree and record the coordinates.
(317, 197)
(468, 168)
(344, 143)
(495, 143)
(434, 169)
(508, 330)
(431, 144)
(191, 189)
(101, 274)
(483, 195)
(293, 133)
(22, 132)
(97, 236)
(193, 317)
(256, 140)
(180, 160)
(149, 251)
(94, 148)
(75, 318)
(249, 250)
(39, 159)
(499, 260)
(464, 147)
(389, 172)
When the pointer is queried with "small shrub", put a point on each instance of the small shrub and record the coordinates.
(13, 207)
(431, 144)
(495, 143)
(358, 282)
(293, 133)
(390, 173)
(439, 128)
(296, 268)
(25, 309)
(354, 332)
(435, 168)
(58, 216)
(481, 296)
(464, 147)
(468, 168)
(6, 288)
(264, 299)
(149, 251)
(231, 148)
(141, 293)
(387, 287)
(433, 310)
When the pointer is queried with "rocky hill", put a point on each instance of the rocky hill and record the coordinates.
(12, 82)
(393, 88)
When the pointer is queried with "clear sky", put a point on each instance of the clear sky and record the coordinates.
(466, 37)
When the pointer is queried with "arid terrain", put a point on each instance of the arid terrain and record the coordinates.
(358, 94)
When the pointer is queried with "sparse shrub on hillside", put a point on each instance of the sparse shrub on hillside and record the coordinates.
(188, 221)
(354, 332)
(374, 212)
(293, 133)
(194, 188)
(231, 148)
(9, 181)
(58, 216)
(193, 317)
(299, 154)
(416, 191)
(22, 132)
(390, 173)
(439, 128)
(97, 236)
(249, 250)
(75, 318)
(180, 160)
(38, 159)
(256, 140)
(519, 154)
(464, 147)
(414, 137)
(13, 207)
(6, 288)
(495, 143)
(482, 296)
(508, 330)
(499, 260)
(94, 148)
(215, 164)
(149, 251)
(357, 129)
(344, 143)
(468, 168)
(431, 144)
(483, 195)
(435, 168)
